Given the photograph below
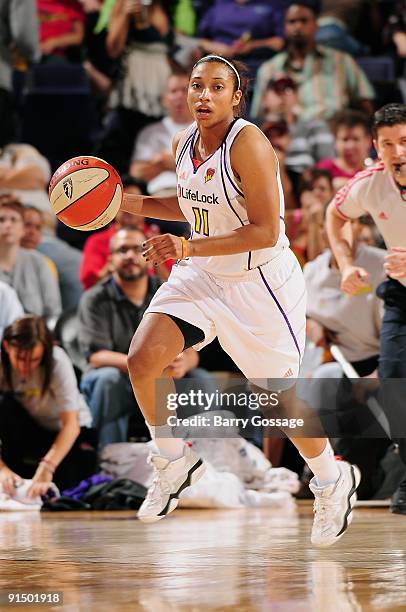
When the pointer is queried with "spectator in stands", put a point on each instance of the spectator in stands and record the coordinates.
(44, 421)
(337, 24)
(393, 37)
(352, 323)
(33, 222)
(24, 270)
(18, 38)
(10, 306)
(141, 37)
(395, 32)
(278, 134)
(109, 313)
(100, 68)
(63, 257)
(25, 174)
(32, 234)
(353, 140)
(369, 233)
(61, 28)
(248, 30)
(152, 160)
(328, 80)
(305, 225)
(311, 140)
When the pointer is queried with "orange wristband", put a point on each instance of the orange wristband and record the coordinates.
(184, 247)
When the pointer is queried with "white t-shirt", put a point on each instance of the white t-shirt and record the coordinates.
(35, 284)
(374, 191)
(152, 140)
(355, 319)
(62, 395)
(10, 307)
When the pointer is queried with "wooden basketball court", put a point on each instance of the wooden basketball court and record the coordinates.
(250, 559)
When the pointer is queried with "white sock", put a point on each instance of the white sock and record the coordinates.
(168, 446)
(324, 467)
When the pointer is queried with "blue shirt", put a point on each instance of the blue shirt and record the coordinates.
(227, 20)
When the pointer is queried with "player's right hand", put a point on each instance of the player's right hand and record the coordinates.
(159, 249)
(354, 280)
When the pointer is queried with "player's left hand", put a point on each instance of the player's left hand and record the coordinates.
(395, 263)
(161, 248)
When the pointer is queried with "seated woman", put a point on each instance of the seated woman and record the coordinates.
(44, 420)
(305, 225)
(353, 141)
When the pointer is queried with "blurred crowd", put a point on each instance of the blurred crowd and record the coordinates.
(109, 78)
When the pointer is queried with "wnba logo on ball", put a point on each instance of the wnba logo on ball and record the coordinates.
(68, 188)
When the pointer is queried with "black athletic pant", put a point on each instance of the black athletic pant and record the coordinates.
(24, 442)
(392, 357)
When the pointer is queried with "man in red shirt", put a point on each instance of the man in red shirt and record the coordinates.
(61, 25)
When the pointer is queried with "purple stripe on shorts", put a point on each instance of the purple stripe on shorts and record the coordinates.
(283, 313)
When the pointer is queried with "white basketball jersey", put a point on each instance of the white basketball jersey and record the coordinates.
(213, 203)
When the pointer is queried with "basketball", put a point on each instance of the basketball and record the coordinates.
(85, 193)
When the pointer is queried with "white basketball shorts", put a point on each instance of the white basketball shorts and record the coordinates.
(259, 319)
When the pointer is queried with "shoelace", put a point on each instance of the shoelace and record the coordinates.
(322, 509)
(159, 483)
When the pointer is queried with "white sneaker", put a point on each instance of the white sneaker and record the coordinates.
(170, 479)
(333, 505)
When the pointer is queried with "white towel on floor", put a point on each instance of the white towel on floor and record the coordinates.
(248, 462)
(20, 501)
(225, 490)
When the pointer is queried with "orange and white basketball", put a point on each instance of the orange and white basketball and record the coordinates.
(85, 193)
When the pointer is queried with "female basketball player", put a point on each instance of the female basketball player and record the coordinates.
(236, 279)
